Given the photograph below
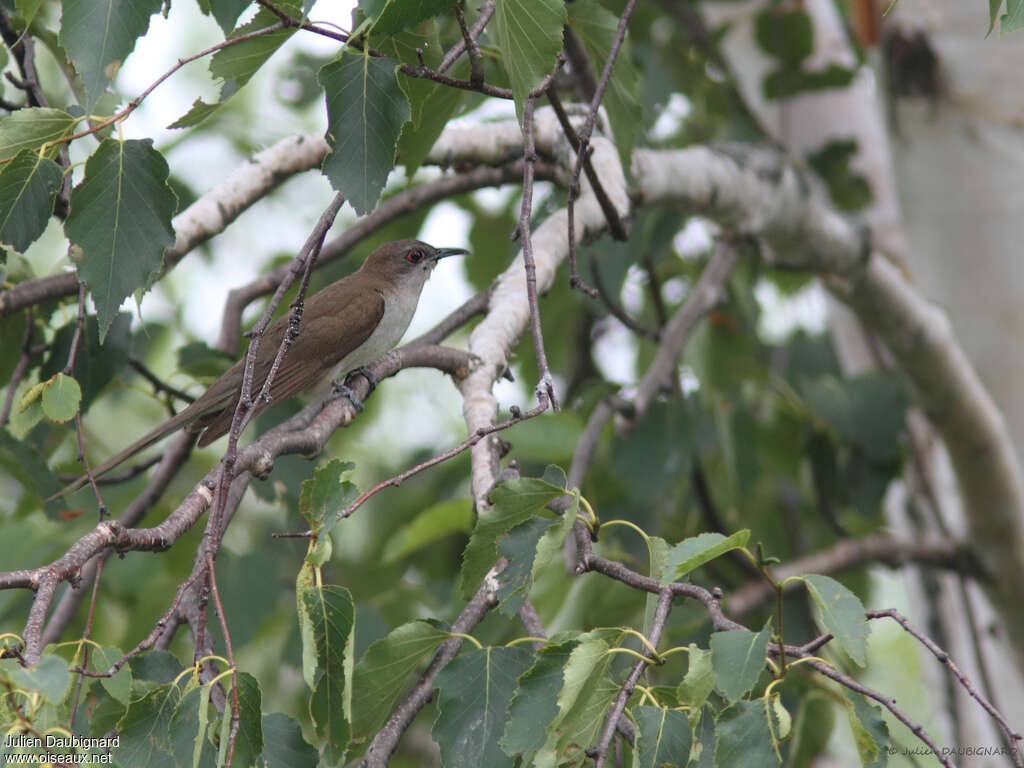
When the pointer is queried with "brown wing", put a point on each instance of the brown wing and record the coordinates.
(319, 346)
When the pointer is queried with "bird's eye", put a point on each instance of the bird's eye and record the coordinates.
(416, 255)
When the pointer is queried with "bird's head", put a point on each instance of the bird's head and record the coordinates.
(405, 261)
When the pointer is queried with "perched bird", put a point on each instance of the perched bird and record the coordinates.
(345, 326)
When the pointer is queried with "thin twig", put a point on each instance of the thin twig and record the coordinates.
(599, 753)
(582, 149)
(885, 701)
(158, 384)
(222, 618)
(943, 657)
(546, 385)
(611, 304)
(476, 63)
(453, 53)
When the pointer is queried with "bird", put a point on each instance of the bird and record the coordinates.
(344, 327)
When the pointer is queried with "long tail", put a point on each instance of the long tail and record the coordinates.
(172, 424)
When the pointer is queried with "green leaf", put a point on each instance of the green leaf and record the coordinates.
(693, 552)
(663, 737)
(848, 189)
(993, 14)
(28, 9)
(236, 64)
(249, 740)
(95, 364)
(199, 111)
(28, 186)
(403, 14)
(28, 467)
(586, 693)
(325, 494)
(383, 671)
(1013, 19)
(519, 547)
(784, 83)
(333, 616)
(285, 746)
(841, 613)
(700, 678)
(657, 555)
(742, 738)
(226, 12)
(101, 659)
(32, 127)
(870, 732)
(99, 34)
(738, 656)
(474, 693)
(189, 729)
(432, 524)
(597, 27)
(786, 35)
(514, 503)
(815, 721)
(145, 729)
(365, 113)
(50, 677)
(529, 34)
(61, 396)
(121, 219)
(535, 703)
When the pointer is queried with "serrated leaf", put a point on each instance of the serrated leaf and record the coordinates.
(529, 34)
(188, 731)
(513, 503)
(782, 720)
(99, 34)
(699, 680)
(365, 113)
(226, 12)
(693, 552)
(249, 739)
(28, 186)
(397, 15)
(742, 738)
(519, 547)
(61, 396)
(121, 219)
(597, 27)
(199, 111)
(325, 494)
(434, 523)
(663, 737)
(738, 656)
(383, 671)
(32, 127)
(870, 732)
(50, 677)
(535, 703)
(332, 615)
(285, 747)
(145, 729)
(236, 64)
(841, 613)
(474, 692)
(101, 659)
(586, 693)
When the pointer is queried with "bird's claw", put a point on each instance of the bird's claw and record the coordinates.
(339, 389)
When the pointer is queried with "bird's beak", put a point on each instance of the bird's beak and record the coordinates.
(441, 253)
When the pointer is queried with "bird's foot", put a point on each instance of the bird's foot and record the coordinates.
(338, 390)
(363, 371)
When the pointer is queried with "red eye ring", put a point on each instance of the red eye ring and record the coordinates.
(416, 255)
